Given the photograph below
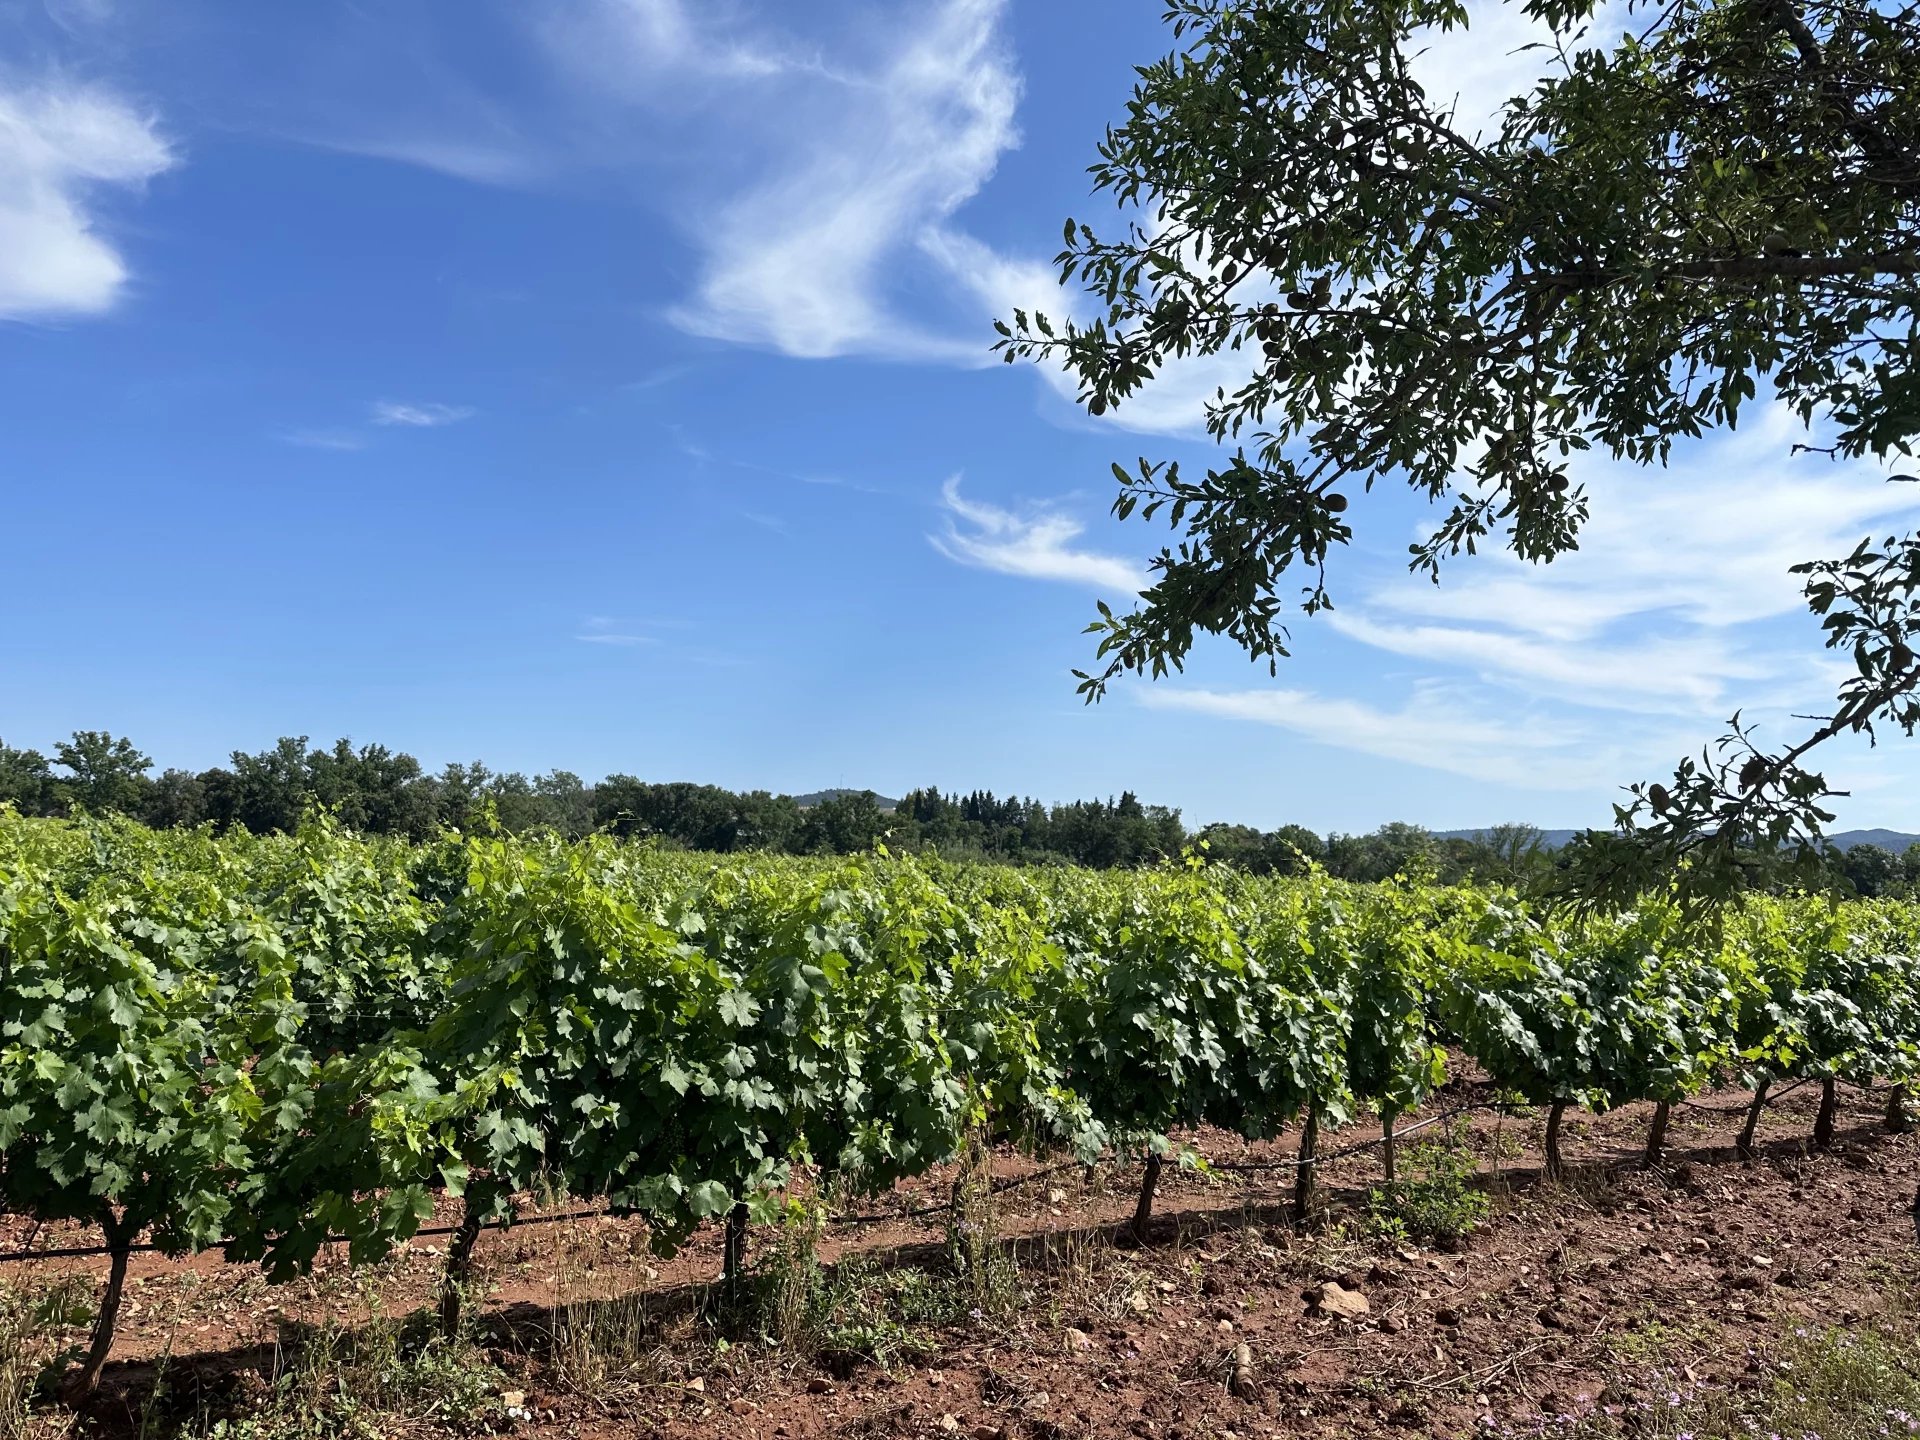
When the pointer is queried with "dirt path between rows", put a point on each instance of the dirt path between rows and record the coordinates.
(1679, 1275)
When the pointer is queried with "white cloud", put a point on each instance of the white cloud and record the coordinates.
(1003, 283)
(60, 143)
(1678, 675)
(625, 634)
(504, 162)
(325, 439)
(1619, 657)
(816, 158)
(657, 377)
(1708, 541)
(804, 259)
(626, 46)
(1038, 546)
(604, 637)
(1173, 402)
(1679, 596)
(1501, 52)
(422, 416)
(1439, 728)
(81, 15)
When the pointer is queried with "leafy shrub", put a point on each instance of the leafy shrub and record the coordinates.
(1435, 1198)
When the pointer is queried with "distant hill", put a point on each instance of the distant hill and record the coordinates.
(819, 797)
(1895, 840)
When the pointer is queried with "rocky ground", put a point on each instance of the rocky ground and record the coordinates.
(1616, 1301)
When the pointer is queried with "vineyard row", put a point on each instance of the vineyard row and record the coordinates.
(276, 1042)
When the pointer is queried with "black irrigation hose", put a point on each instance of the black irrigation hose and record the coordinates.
(75, 1252)
(1772, 1095)
(1362, 1147)
(999, 1187)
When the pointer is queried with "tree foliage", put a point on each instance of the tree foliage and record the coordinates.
(1724, 196)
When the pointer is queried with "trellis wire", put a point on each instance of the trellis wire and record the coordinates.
(1012, 1182)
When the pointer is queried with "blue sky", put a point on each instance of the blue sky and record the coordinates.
(603, 384)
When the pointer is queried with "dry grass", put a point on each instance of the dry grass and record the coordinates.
(39, 1331)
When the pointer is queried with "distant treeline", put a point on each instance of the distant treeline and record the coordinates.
(381, 791)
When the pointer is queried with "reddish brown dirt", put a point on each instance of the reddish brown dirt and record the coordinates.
(1619, 1277)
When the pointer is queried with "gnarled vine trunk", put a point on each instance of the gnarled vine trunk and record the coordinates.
(1143, 1211)
(1555, 1114)
(1303, 1173)
(1745, 1143)
(1657, 1135)
(1898, 1121)
(733, 1259)
(119, 1231)
(1823, 1122)
(457, 1278)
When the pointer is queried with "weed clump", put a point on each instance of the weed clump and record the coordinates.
(1434, 1200)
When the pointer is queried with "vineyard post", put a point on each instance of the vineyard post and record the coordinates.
(1656, 1135)
(1555, 1113)
(1823, 1122)
(119, 1231)
(1303, 1173)
(1744, 1145)
(1386, 1144)
(1143, 1212)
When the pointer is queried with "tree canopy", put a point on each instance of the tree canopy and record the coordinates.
(379, 791)
(1723, 196)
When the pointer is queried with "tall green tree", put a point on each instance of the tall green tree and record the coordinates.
(846, 824)
(104, 773)
(1725, 196)
(270, 790)
(1387, 852)
(178, 797)
(1872, 870)
(26, 780)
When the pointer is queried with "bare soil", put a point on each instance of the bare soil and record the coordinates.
(1602, 1289)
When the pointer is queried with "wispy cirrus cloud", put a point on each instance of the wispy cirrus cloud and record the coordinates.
(325, 439)
(625, 634)
(1680, 597)
(703, 456)
(656, 378)
(818, 178)
(1687, 674)
(1501, 52)
(604, 637)
(808, 258)
(817, 160)
(425, 416)
(61, 144)
(606, 630)
(1677, 608)
(627, 47)
(1438, 727)
(1037, 545)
